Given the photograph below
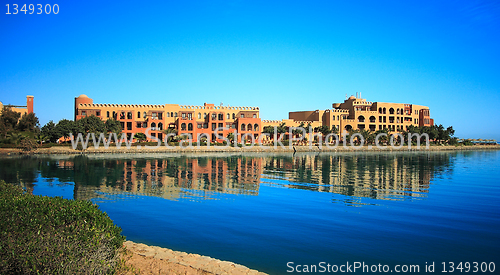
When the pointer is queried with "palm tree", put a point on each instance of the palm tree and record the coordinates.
(171, 134)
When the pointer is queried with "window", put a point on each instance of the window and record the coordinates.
(242, 127)
(254, 115)
(200, 125)
(168, 114)
(183, 126)
(84, 113)
(228, 116)
(144, 115)
(144, 125)
(205, 125)
(122, 124)
(220, 125)
(214, 116)
(221, 116)
(242, 115)
(160, 126)
(153, 126)
(138, 125)
(129, 126)
(190, 116)
(183, 115)
(129, 115)
(256, 127)
(98, 113)
(214, 125)
(234, 115)
(199, 115)
(204, 115)
(190, 127)
(160, 115)
(107, 114)
(114, 115)
(153, 115)
(171, 114)
(175, 114)
(333, 117)
(249, 127)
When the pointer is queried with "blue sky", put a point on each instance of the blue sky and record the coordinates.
(279, 55)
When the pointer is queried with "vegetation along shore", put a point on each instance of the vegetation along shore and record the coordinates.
(52, 235)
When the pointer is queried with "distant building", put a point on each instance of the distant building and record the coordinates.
(355, 113)
(28, 109)
(186, 119)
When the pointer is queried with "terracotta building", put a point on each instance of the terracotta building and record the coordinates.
(186, 119)
(28, 109)
(357, 114)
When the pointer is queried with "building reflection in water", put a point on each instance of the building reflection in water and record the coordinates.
(378, 176)
(372, 175)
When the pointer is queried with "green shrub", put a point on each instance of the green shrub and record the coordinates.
(45, 235)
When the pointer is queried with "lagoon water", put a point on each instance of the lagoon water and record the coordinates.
(266, 210)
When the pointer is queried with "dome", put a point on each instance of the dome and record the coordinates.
(352, 97)
(83, 96)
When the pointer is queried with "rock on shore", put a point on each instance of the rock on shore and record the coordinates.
(157, 260)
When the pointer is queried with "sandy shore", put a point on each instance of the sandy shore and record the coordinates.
(144, 259)
(163, 149)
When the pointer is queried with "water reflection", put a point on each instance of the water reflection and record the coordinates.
(373, 175)
(356, 175)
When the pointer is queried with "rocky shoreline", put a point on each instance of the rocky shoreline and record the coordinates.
(146, 259)
(163, 149)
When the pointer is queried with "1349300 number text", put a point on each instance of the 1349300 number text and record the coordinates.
(32, 9)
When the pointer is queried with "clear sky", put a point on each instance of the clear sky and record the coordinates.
(279, 55)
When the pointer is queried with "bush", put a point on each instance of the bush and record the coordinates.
(45, 235)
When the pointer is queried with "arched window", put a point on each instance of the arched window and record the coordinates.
(175, 114)
(183, 126)
(249, 127)
(228, 116)
(171, 114)
(338, 117)
(333, 117)
(129, 115)
(138, 114)
(168, 114)
(380, 110)
(348, 127)
(221, 116)
(144, 115)
(372, 119)
(242, 127)
(254, 115)
(256, 127)
(107, 114)
(114, 115)
(361, 119)
(384, 110)
(199, 115)
(160, 126)
(205, 115)
(190, 127)
(214, 116)
(153, 126)
(391, 111)
(234, 115)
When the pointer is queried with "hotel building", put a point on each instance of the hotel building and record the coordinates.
(355, 113)
(28, 109)
(185, 119)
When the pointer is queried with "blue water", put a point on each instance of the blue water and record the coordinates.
(267, 210)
